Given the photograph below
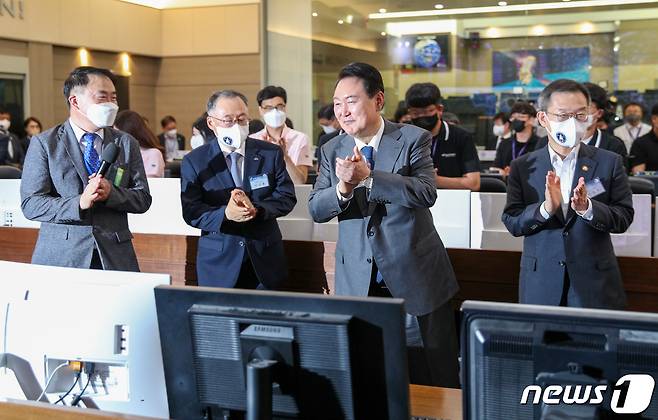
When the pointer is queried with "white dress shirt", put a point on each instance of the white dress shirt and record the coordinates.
(79, 132)
(565, 169)
(240, 151)
(628, 134)
(360, 144)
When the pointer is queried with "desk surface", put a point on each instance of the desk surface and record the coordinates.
(426, 401)
(440, 403)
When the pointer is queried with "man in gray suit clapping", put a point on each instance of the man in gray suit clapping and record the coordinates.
(378, 179)
(84, 216)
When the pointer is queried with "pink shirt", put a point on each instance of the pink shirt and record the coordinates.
(154, 164)
(297, 145)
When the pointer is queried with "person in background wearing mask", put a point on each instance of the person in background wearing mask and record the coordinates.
(456, 162)
(201, 133)
(501, 128)
(170, 139)
(594, 136)
(522, 122)
(11, 148)
(296, 148)
(151, 150)
(234, 189)
(633, 127)
(32, 127)
(645, 149)
(84, 216)
(566, 199)
(330, 128)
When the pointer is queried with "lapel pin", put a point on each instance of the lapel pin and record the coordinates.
(255, 157)
(585, 168)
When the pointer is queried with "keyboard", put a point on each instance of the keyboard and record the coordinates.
(423, 418)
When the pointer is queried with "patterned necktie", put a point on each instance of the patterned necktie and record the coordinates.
(235, 169)
(367, 152)
(92, 160)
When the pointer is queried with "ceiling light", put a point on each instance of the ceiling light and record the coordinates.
(586, 28)
(341, 21)
(382, 10)
(538, 30)
(502, 3)
(349, 18)
(383, 33)
(510, 8)
(314, 14)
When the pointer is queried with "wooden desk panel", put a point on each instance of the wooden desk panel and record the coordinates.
(440, 403)
(31, 410)
(482, 274)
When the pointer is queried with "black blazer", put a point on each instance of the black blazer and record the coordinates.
(581, 247)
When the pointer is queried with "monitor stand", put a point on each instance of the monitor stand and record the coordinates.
(259, 389)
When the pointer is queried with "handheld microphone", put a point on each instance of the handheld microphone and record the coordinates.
(108, 157)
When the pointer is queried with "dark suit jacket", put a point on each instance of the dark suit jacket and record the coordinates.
(54, 177)
(18, 151)
(206, 186)
(391, 225)
(582, 247)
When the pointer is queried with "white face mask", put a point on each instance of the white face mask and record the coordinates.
(328, 129)
(232, 137)
(498, 130)
(196, 141)
(171, 133)
(103, 114)
(274, 118)
(568, 133)
(5, 124)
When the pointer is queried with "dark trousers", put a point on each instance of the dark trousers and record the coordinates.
(431, 343)
(96, 263)
(564, 300)
(248, 279)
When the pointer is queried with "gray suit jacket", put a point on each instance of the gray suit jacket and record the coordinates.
(54, 177)
(392, 225)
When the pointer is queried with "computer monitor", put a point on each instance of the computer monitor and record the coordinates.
(53, 315)
(327, 357)
(541, 362)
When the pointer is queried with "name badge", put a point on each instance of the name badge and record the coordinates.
(259, 181)
(118, 177)
(594, 188)
(448, 155)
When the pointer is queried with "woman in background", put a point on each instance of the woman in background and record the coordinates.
(152, 152)
(32, 127)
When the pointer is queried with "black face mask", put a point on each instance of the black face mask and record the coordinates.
(518, 125)
(426, 123)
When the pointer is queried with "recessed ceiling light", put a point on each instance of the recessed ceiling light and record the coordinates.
(382, 10)
(502, 3)
(349, 18)
(438, 6)
(341, 21)
(383, 33)
(314, 14)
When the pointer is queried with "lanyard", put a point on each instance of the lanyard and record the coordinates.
(634, 137)
(514, 154)
(436, 140)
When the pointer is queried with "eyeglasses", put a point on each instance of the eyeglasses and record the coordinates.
(280, 107)
(580, 116)
(229, 122)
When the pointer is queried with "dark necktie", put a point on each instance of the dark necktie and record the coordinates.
(368, 152)
(91, 158)
(235, 169)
